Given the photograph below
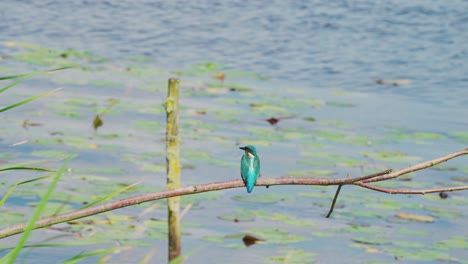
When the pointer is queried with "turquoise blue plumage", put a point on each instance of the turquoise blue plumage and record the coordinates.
(250, 167)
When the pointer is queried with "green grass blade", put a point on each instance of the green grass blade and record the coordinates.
(34, 73)
(11, 256)
(110, 195)
(12, 188)
(11, 85)
(25, 168)
(28, 100)
(27, 163)
(97, 252)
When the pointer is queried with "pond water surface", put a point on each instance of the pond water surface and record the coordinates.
(317, 63)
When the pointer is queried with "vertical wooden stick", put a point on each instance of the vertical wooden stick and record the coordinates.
(173, 166)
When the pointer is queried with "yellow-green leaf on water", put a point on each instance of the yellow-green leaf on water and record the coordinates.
(69, 114)
(335, 123)
(456, 241)
(275, 235)
(440, 167)
(270, 109)
(263, 198)
(416, 217)
(374, 240)
(293, 256)
(341, 104)
(310, 173)
(460, 136)
(389, 156)
(290, 220)
(355, 228)
(148, 125)
(309, 119)
(49, 153)
(408, 244)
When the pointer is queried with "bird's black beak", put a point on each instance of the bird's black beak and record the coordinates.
(243, 148)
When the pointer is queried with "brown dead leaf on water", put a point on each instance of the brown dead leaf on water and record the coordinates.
(250, 240)
(396, 82)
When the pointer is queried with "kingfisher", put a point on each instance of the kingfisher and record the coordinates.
(250, 167)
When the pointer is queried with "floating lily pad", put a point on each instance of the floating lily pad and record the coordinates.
(238, 216)
(374, 240)
(408, 244)
(263, 198)
(276, 235)
(460, 136)
(355, 228)
(293, 256)
(149, 125)
(341, 104)
(456, 241)
(390, 156)
(414, 232)
(416, 217)
(50, 154)
(290, 220)
(335, 159)
(310, 173)
(340, 124)
(309, 119)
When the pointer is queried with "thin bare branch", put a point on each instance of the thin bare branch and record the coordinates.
(360, 181)
(396, 191)
(417, 167)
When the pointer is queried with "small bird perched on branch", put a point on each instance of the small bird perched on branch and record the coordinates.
(250, 167)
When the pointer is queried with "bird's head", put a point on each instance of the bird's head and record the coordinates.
(250, 150)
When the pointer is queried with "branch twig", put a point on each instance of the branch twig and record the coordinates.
(360, 181)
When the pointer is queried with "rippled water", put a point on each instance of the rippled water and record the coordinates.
(308, 49)
(317, 44)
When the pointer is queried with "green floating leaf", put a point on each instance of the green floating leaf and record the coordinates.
(359, 140)
(290, 220)
(149, 125)
(355, 228)
(263, 198)
(69, 114)
(207, 67)
(309, 119)
(270, 109)
(49, 154)
(389, 156)
(408, 244)
(310, 173)
(334, 123)
(275, 235)
(456, 241)
(293, 256)
(99, 170)
(341, 104)
(440, 167)
(460, 136)
(372, 240)
(335, 159)
(238, 216)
